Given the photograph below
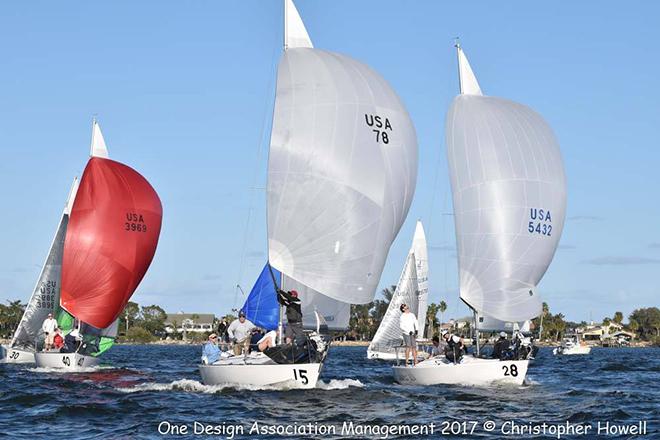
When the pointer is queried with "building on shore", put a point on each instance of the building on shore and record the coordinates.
(189, 322)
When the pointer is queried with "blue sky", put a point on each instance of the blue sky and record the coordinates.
(184, 91)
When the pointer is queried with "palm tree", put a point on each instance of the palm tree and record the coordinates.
(431, 319)
(442, 308)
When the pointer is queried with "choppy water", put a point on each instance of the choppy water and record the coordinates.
(142, 386)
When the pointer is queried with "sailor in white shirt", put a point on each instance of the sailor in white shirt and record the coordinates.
(49, 325)
(408, 325)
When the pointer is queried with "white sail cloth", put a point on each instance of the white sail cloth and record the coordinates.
(336, 314)
(341, 174)
(46, 295)
(420, 250)
(388, 334)
(509, 193)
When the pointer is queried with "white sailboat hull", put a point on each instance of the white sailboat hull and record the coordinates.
(471, 371)
(16, 356)
(65, 361)
(292, 375)
(571, 350)
(381, 355)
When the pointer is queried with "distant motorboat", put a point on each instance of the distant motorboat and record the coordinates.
(571, 346)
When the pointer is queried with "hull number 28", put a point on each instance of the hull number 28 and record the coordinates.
(511, 370)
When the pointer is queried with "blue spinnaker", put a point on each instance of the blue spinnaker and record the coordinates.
(261, 306)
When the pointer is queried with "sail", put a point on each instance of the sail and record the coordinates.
(341, 173)
(422, 268)
(488, 324)
(509, 194)
(295, 34)
(389, 333)
(261, 306)
(46, 294)
(110, 241)
(336, 314)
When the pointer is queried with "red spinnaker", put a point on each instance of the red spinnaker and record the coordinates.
(110, 241)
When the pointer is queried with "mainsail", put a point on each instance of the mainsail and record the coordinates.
(341, 171)
(388, 334)
(111, 238)
(509, 193)
(422, 268)
(46, 294)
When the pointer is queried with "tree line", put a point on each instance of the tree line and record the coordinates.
(147, 323)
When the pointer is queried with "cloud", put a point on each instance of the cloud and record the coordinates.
(591, 218)
(621, 261)
(441, 247)
(654, 246)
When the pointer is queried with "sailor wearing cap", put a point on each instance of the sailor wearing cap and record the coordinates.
(500, 346)
(210, 351)
(239, 332)
(294, 317)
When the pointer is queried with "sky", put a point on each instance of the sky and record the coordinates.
(184, 93)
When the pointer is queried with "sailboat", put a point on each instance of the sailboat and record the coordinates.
(111, 238)
(342, 170)
(412, 290)
(45, 296)
(509, 194)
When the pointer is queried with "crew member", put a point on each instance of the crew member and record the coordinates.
(210, 351)
(294, 317)
(408, 326)
(239, 332)
(49, 325)
(501, 345)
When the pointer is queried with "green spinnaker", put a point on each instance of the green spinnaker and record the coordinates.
(104, 344)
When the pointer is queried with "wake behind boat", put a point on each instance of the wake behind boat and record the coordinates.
(341, 175)
(509, 194)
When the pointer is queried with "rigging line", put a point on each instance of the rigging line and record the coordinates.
(257, 169)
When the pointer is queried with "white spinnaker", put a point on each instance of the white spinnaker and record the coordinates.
(422, 264)
(389, 333)
(46, 294)
(487, 324)
(341, 173)
(509, 193)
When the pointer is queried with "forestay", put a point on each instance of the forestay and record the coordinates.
(389, 333)
(341, 174)
(509, 193)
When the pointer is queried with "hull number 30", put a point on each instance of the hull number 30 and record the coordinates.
(300, 375)
(511, 370)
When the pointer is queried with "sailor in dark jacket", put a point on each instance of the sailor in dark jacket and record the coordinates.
(294, 328)
(500, 347)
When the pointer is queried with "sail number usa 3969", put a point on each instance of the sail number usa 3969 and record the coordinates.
(381, 127)
(135, 222)
(540, 222)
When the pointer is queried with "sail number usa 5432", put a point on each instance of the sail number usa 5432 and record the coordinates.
(135, 222)
(540, 222)
(381, 127)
